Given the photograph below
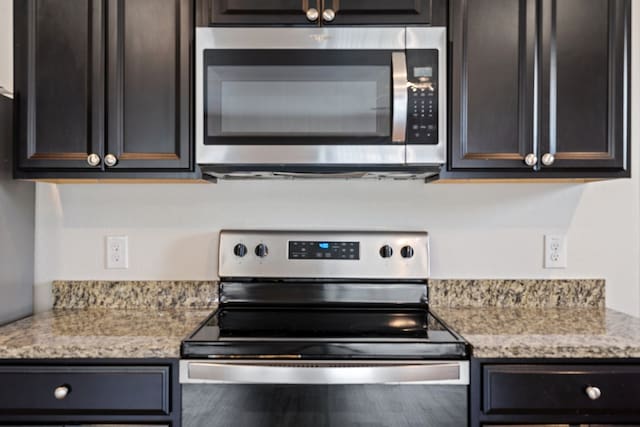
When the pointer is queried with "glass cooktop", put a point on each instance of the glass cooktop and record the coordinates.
(318, 332)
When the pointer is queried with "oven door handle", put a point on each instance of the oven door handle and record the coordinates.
(323, 372)
(400, 97)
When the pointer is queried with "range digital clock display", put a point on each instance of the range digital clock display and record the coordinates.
(324, 250)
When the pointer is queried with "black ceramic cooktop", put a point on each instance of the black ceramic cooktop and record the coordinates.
(315, 332)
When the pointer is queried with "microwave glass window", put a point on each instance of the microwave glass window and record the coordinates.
(294, 101)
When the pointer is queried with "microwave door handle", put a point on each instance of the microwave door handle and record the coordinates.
(400, 97)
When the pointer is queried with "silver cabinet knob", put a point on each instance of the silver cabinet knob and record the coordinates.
(594, 393)
(110, 160)
(328, 15)
(530, 160)
(313, 14)
(548, 159)
(61, 392)
(93, 159)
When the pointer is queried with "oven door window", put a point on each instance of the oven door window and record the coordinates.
(297, 97)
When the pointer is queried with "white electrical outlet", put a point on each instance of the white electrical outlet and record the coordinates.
(117, 252)
(555, 251)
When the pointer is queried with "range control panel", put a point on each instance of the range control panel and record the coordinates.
(422, 73)
(324, 254)
(324, 250)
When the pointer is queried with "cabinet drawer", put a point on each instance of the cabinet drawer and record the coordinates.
(560, 389)
(115, 390)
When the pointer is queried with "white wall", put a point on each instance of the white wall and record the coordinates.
(478, 231)
(6, 44)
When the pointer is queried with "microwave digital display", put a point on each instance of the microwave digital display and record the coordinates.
(423, 71)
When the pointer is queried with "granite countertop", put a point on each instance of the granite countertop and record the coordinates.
(99, 333)
(500, 319)
(499, 332)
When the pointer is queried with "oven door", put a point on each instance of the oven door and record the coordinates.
(324, 393)
(301, 96)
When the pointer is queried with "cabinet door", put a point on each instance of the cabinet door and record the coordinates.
(263, 12)
(585, 82)
(354, 12)
(149, 84)
(59, 82)
(492, 91)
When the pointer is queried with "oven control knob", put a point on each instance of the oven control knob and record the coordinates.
(262, 250)
(386, 251)
(240, 250)
(406, 252)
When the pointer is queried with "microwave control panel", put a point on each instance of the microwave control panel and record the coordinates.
(422, 74)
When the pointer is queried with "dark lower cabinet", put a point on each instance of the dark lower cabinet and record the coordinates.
(540, 88)
(574, 392)
(90, 392)
(104, 88)
(325, 12)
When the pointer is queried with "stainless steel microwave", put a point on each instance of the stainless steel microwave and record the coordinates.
(316, 100)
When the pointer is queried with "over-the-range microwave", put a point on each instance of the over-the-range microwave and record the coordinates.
(309, 102)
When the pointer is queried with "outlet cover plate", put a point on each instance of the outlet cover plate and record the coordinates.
(555, 251)
(117, 251)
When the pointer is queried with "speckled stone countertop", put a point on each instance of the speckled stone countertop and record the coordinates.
(99, 333)
(93, 319)
(535, 318)
(497, 332)
(499, 318)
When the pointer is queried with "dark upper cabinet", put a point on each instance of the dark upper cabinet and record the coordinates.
(584, 83)
(540, 82)
(384, 12)
(492, 83)
(260, 12)
(149, 84)
(59, 82)
(110, 78)
(327, 12)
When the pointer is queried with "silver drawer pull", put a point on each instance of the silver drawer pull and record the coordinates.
(61, 392)
(594, 393)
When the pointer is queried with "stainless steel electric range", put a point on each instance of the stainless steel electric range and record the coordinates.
(322, 328)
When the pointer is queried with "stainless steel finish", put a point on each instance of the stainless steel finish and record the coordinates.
(323, 372)
(300, 154)
(396, 175)
(324, 293)
(548, 159)
(313, 14)
(328, 15)
(61, 392)
(531, 159)
(370, 264)
(395, 39)
(593, 393)
(400, 97)
(110, 160)
(432, 38)
(93, 159)
(299, 38)
(291, 38)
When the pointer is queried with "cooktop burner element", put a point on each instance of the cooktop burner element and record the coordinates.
(317, 295)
